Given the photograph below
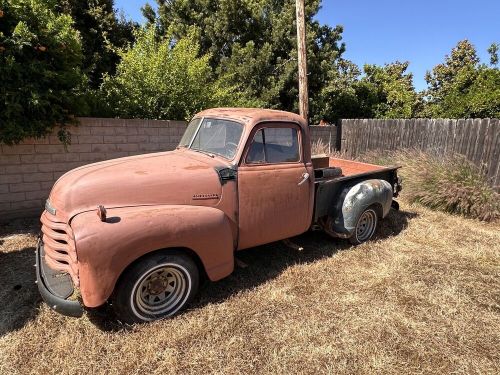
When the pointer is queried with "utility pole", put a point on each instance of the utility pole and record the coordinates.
(302, 59)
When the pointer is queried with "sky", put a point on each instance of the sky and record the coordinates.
(382, 31)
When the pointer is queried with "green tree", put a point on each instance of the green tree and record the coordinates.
(387, 92)
(442, 77)
(474, 93)
(383, 92)
(493, 51)
(161, 80)
(339, 97)
(461, 87)
(252, 44)
(40, 66)
(103, 33)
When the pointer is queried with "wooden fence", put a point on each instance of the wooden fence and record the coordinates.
(28, 170)
(477, 139)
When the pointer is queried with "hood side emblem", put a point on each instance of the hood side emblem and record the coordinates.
(205, 196)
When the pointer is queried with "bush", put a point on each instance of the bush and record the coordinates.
(40, 60)
(160, 78)
(451, 184)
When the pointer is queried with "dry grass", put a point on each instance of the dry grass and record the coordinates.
(319, 148)
(447, 183)
(423, 298)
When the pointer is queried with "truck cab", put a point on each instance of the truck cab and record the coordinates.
(140, 231)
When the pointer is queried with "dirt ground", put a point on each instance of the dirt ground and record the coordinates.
(424, 297)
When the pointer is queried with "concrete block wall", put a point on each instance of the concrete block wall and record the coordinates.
(323, 139)
(28, 170)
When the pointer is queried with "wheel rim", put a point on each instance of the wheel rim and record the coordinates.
(161, 291)
(366, 225)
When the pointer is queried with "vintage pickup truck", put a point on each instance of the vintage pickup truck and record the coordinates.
(140, 232)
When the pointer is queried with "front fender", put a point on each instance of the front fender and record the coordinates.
(105, 249)
(353, 200)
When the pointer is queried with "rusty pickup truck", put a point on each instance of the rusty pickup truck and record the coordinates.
(140, 232)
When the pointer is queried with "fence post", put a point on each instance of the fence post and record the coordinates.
(338, 140)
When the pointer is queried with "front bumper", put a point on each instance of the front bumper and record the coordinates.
(55, 288)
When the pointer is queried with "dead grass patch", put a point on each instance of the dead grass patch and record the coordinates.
(424, 297)
(448, 183)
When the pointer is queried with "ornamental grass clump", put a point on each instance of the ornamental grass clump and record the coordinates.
(446, 183)
(319, 147)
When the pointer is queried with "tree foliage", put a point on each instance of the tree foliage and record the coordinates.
(493, 51)
(462, 87)
(40, 66)
(252, 44)
(338, 98)
(159, 79)
(387, 91)
(102, 33)
(65, 57)
(382, 92)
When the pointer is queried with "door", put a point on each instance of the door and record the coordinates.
(274, 188)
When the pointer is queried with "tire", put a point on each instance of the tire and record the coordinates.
(157, 286)
(366, 226)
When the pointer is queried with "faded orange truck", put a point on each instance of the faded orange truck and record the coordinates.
(140, 232)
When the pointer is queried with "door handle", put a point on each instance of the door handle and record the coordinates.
(305, 177)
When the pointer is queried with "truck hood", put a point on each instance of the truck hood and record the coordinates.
(174, 177)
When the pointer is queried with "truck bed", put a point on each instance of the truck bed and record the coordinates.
(333, 174)
(350, 167)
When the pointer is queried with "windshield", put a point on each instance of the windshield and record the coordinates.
(214, 136)
(189, 133)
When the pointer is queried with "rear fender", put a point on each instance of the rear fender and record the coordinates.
(106, 249)
(353, 200)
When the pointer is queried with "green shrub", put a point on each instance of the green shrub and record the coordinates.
(451, 184)
(40, 60)
(162, 78)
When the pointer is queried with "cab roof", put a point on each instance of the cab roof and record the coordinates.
(251, 116)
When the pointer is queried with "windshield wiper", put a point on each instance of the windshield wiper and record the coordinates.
(203, 152)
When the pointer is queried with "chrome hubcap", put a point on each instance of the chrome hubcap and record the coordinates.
(161, 291)
(366, 225)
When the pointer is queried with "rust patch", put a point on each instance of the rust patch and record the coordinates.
(376, 184)
(195, 167)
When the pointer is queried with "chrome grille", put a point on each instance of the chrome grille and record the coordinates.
(59, 246)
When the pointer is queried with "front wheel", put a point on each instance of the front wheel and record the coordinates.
(156, 287)
(365, 227)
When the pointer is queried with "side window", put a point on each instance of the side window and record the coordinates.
(256, 151)
(274, 145)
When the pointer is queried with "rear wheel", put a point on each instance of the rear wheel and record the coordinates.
(365, 227)
(156, 287)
